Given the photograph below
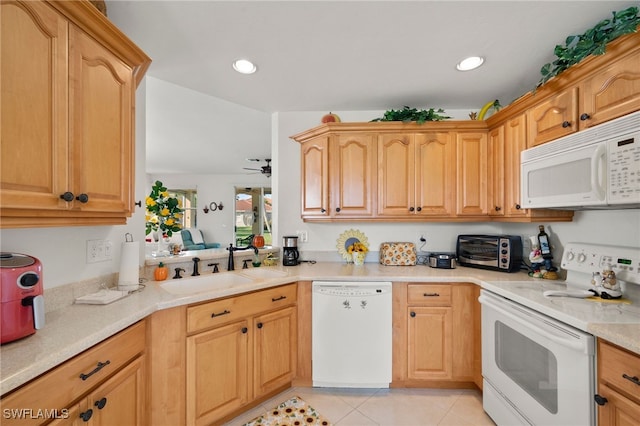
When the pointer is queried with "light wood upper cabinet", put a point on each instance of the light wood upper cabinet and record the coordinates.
(68, 86)
(396, 177)
(315, 178)
(553, 118)
(496, 172)
(515, 141)
(612, 92)
(352, 170)
(472, 173)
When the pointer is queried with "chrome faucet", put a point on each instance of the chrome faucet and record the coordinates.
(231, 248)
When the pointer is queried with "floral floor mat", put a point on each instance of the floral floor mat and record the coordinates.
(292, 412)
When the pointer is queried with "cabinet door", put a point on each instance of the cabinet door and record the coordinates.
(315, 177)
(611, 93)
(352, 167)
(553, 118)
(74, 416)
(33, 128)
(471, 149)
(217, 373)
(396, 174)
(101, 132)
(496, 172)
(515, 141)
(618, 410)
(429, 343)
(275, 350)
(121, 400)
(435, 170)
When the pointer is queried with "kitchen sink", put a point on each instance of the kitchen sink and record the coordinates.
(205, 283)
(263, 273)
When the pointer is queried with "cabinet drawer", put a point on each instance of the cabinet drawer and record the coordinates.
(619, 368)
(220, 312)
(73, 379)
(429, 295)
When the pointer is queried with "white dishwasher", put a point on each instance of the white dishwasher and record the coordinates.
(351, 334)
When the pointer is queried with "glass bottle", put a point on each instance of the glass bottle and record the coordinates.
(543, 240)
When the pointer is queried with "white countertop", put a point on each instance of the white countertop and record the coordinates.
(73, 329)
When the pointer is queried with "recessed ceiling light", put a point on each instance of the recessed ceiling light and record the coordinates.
(244, 66)
(470, 63)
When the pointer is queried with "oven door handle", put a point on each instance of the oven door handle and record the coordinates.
(551, 332)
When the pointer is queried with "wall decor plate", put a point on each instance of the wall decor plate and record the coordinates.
(347, 238)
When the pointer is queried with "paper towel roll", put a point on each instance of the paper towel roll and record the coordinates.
(129, 269)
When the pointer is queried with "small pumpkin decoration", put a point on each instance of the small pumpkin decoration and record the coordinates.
(161, 273)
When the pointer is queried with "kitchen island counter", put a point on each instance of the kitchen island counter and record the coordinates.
(75, 328)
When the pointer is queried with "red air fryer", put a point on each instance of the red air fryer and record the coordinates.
(21, 300)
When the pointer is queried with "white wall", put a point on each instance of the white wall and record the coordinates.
(62, 251)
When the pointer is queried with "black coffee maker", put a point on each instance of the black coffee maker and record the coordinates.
(290, 252)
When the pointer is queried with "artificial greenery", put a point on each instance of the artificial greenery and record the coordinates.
(411, 114)
(592, 42)
(163, 211)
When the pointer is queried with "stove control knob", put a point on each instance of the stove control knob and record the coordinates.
(570, 256)
(581, 258)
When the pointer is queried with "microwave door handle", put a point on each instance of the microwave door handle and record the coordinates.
(597, 168)
(538, 328)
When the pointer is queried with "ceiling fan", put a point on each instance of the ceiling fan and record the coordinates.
(265, 170)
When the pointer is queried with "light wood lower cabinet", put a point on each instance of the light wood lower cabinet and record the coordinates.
(436, 343)
(105, 385)
(211, 361)
(618, 396)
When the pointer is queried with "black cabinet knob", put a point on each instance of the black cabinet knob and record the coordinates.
(67, 196)
(244, 330)
(101, 403)
(498, 208)
(259, 325)
(323, 211)
(411, 209)
(585, 117)
(566, 124)
(83, 198)
(419, 209)
(338, 209)
(518, 207)
(412, 314)
(85, 416)
(600, 400)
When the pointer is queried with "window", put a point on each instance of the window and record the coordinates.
(253, 214)
(189, 200)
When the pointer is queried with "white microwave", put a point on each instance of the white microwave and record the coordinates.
(597, 168)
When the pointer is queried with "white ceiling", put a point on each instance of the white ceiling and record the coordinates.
(354, 55)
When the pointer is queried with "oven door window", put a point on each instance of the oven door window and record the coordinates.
(532, 366)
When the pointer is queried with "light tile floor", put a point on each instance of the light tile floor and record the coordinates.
(389, 407)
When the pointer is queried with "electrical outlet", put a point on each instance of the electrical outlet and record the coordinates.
(99, 251)
(303, 236)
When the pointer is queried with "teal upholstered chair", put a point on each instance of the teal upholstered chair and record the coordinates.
(195, 243)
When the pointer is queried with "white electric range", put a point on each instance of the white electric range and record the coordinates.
(538, 360)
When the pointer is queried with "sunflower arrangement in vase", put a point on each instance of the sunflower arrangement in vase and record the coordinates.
(358, 251)
(163, 212)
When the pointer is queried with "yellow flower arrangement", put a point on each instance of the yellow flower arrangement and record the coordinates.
(163, 211)
(357, 247)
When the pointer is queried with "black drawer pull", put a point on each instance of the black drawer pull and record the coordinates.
(600, 400)
(225, 312)
(275, 299)
(85, 416)
(99, 367)
(431, 294)
(101, 403)
(633, 379)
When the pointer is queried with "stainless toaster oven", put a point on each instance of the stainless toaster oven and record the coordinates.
(495, 252)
